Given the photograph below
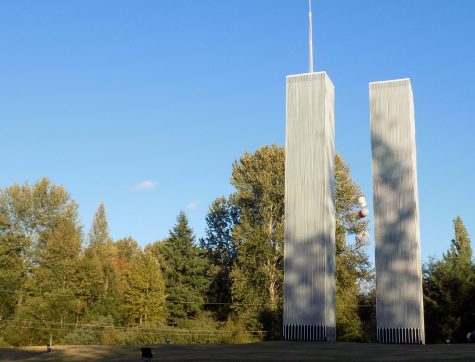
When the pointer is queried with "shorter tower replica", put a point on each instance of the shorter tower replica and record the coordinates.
(399, 308)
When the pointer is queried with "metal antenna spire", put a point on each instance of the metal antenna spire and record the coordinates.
(310, 31)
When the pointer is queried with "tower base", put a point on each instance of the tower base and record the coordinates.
(399, 335)
(308, 332)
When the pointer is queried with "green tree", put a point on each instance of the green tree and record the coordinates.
(221, 218)
(460, 252)
(99, 233)
(259, 237)
(103, 248)
(13, 273)
(50, 303)
(89, 278)
(30, 218)
(127, 249)
(126, 252)
(352, 264)
(449, 286)
(184, 269)
(145, 290)
(29, 211)
(257, 289)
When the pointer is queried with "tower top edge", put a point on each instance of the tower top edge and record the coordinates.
(302, 74)
(309, 77)
(402, 80)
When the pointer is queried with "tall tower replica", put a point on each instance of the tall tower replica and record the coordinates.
(309, 273)
(399, 308)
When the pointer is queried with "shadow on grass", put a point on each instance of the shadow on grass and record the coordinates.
(30, 354)
(72, 353)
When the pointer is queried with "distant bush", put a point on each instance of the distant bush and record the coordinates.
(101, 331)
(3, 343)
(203, 330)
(235, 333)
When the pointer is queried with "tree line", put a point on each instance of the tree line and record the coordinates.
(224, 288)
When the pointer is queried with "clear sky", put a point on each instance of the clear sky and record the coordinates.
(146, 104)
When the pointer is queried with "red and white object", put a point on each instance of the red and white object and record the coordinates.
(363, 213)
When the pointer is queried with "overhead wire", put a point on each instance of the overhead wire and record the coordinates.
(33, 294)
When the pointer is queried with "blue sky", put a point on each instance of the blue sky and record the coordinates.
(102, 96)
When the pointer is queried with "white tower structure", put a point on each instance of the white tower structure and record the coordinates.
(399, 299)
(309, 272)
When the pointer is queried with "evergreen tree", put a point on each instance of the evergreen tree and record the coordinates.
(184, 269)
(461, 248)
(221, 218)
(101, 244)
(449, 286)
(99, 233)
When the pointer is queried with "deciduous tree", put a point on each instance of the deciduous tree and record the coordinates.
(352, 264)
(144, 290)
(259, 237)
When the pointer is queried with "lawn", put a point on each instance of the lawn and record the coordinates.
(268, 351)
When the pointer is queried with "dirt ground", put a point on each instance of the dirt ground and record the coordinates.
(269, 351)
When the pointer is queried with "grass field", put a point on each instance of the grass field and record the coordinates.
(269, 351)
